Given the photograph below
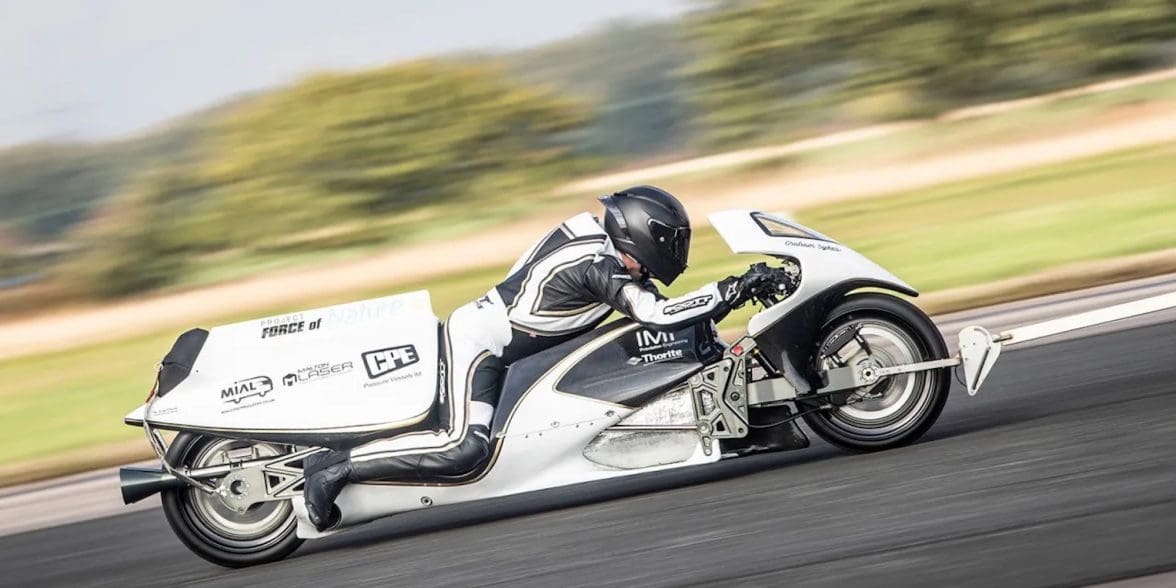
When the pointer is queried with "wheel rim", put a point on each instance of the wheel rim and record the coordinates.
(258, 527)
(895, 403)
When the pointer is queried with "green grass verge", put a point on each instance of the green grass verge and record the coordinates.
(981, 230)
(953, 235)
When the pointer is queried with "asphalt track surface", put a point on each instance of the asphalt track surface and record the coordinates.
(1061, 472)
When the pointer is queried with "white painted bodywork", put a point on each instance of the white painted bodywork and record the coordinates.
(823, 261)
(978, 353)
(542, 447)
(314, 379)
(543, 443)
(544, 440)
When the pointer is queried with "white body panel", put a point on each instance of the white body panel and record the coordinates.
(824, 262)
(542, 447)
(367, 365)
(543, 442)
(535, 461)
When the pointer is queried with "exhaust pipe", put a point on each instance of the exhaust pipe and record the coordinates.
(139, 483)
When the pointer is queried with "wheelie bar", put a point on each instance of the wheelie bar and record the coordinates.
(979, 349)
(978, 352)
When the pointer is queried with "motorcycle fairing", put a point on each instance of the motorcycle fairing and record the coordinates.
(828, 271)
(641, 364)
(357, 368)
(619, 371)
(824, 262)
(539, 438)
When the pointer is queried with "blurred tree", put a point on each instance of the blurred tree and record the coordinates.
(752, 58)
(763, 63)
(309, 164)
(11, 242)
(1059, 41)
(341, 146)
(10, 237)
(942, 50)
(46, 188)
(627, 71)
(137, 240)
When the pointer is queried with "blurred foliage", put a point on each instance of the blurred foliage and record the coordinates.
(136, 240)
(337, 147)
(1104, 207)
(628, 71)
(46, 188)
(766, 63)
(287, 168)
(346, 159)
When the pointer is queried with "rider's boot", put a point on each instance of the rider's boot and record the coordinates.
(459, 460)
(326, 475)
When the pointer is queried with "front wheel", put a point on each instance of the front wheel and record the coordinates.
(263, 533)
(898, 409)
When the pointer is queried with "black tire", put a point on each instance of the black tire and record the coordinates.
(190, 521)
(919, 398)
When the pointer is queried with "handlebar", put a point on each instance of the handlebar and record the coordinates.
(784, 281)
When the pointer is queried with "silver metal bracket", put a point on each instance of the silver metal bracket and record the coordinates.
(979, 352)
(242, 483)
(262, 480)
(770, 390)
(872, 374)
(853, 377)
(720, 396)
(159, 446)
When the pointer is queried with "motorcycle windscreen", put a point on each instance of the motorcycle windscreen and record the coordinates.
(363, 366)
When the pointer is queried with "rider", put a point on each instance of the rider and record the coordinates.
(563, 286)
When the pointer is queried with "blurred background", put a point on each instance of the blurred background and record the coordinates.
(166, 166)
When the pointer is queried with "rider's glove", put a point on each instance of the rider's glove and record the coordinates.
(737, 290)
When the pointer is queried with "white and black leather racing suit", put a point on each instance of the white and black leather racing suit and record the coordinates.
(565, 285)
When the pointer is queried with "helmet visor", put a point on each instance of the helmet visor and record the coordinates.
(673, 241)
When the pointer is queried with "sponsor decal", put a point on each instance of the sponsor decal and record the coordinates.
(246, 393)
(241, 390)
(398, 377)
(648, 358)
(277, 320)
(288, 328)
(688, 304)
(385, 361)
(655, 346)
(819, 245)
(316, 372)
(654, 339)
(732, 290)
(363, 313)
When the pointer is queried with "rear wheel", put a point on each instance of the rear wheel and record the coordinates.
(212, 530)
(885, 331)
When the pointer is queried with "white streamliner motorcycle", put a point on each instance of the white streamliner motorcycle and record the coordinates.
(866, 370)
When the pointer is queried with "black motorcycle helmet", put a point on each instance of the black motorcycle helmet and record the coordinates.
(651, 225)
